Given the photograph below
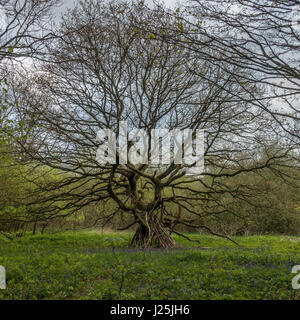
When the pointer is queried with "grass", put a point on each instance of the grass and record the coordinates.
(88, 265)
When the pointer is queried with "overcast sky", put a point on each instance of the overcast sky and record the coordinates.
(70, 4)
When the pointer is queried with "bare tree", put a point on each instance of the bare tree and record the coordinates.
(24, 28)
(25, 24)
(105, 69)
(261, 38)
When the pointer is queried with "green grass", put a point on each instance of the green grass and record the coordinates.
(84, 266)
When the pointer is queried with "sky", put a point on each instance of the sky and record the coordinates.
(70, 4)
(2, 18)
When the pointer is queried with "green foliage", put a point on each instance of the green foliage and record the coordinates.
(84, 266)
(113, 242)
(270, 208)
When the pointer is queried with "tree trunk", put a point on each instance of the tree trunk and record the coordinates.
(34, 228)
(43, 228)
(152, 235)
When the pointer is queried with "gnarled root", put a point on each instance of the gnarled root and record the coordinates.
(152, 235)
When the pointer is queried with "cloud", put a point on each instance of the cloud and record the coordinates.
(3, 18)
(67, 4)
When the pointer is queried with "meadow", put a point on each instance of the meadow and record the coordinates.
(89, 265)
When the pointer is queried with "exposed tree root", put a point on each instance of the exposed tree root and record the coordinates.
(152, 235)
